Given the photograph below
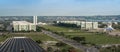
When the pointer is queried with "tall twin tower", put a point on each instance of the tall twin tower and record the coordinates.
(35, 20)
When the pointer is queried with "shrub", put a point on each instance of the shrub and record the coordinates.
(78, 39)
(49, 49)
(59, 44)
(71, 50)
(39, 41)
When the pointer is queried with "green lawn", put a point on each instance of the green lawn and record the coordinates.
(60, 29)
(90, 37)
(2, 38)
(33, 36)
(100, 39)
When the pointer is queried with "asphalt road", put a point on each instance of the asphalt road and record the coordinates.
(71, 42)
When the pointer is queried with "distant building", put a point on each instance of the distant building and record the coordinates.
(91, 25)
(24, 25)
(116, 23)
(83, 24)
(41, 23)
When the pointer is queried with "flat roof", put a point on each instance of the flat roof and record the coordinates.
(22, 23)
(20, 44)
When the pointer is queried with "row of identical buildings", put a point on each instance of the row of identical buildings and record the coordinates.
(83, 24)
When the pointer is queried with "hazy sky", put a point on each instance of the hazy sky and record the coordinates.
(59, 7)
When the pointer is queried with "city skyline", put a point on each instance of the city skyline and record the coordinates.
(59, 7)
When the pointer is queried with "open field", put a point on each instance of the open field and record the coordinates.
(95, 38)
(61, 29)
(36, 36)
(33, 36)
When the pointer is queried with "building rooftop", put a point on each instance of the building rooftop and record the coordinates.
(21, 22)
(20, 44)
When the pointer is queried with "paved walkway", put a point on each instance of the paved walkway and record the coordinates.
(71, 42)
(114, 33)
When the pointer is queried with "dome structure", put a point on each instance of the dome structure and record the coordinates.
(109, 28)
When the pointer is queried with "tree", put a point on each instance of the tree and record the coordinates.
(39, 41)
(59, 44)
(102, 25)
(55, 22)
(49, 49)
(61, 33)
(68, 25)
(71, 50)
(78, 39)
(38, 29)
(65, 50)
(116, 26)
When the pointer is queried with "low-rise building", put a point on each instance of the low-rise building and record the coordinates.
(82, 24)
(23, 26)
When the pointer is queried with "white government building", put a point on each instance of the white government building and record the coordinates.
(83, 24)
(24, 25)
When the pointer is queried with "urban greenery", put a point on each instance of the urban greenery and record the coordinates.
(40, 38)
(110, 49)
(67, 25)
(90, 37)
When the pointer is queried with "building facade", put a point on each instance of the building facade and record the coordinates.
(83, 24)
(23, 26)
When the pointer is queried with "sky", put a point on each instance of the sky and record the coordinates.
(59, 7)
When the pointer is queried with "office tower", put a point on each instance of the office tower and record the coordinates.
(35, 20)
